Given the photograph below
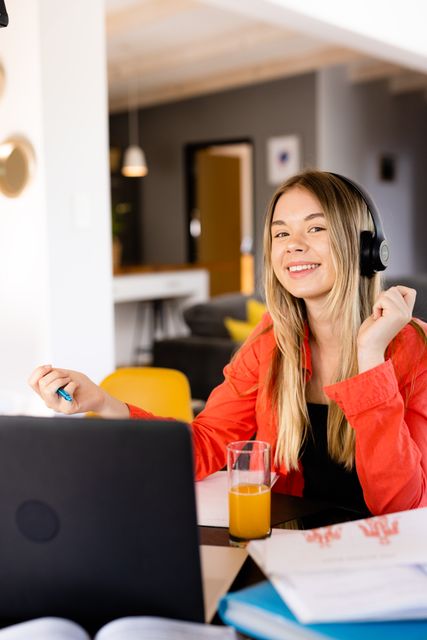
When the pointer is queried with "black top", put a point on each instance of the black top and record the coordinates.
(325, 479)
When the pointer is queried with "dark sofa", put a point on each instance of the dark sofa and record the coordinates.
(203, 354)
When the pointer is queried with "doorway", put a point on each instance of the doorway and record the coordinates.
(220, 213)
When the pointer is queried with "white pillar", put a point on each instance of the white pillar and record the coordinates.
(55, 239)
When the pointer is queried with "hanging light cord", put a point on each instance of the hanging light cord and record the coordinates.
(133, 128)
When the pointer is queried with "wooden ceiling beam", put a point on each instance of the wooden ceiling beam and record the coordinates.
(409, 81)
(371, 70)
(271, 70)
(145, 13)
(246, 39)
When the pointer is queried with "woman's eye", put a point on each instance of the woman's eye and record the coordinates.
(280, 234)
(316, 229)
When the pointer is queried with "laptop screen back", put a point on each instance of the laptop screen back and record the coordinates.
(97, 520)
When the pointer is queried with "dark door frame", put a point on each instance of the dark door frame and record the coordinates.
(190, 151)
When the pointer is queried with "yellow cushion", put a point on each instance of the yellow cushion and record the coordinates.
(239, 330)
(255, 310)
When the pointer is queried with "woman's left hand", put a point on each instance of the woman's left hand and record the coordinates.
(391, 312)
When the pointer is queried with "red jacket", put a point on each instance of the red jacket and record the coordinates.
(387, 407)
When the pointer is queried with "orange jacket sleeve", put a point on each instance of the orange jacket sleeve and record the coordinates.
(387, 408)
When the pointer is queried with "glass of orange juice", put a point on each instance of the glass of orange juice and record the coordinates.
(249, 490)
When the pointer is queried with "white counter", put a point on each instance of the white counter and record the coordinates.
(192, 284)
(180, 288)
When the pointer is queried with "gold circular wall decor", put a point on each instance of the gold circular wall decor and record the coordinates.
(17, 160)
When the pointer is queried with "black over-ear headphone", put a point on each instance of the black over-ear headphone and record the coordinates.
(374, 250)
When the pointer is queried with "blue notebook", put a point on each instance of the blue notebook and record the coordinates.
(260, 612)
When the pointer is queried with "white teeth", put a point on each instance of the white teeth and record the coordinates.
(303, 267)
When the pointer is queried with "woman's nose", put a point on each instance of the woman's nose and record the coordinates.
(295, 244)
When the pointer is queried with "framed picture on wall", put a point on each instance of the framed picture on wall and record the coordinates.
(283, 158)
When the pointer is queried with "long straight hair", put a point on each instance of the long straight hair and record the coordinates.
(348, 304)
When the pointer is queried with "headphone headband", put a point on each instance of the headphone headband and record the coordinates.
(374, 249)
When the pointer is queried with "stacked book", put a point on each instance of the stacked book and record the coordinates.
(362, 579)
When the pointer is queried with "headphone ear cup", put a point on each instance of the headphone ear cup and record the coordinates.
(366, 242)
(374, 250)
(380, 255)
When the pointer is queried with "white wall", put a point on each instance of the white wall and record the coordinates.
(55, 257)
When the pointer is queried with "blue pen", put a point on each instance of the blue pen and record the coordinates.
(61, 392)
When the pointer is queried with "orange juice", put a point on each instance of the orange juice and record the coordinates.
(249, 508)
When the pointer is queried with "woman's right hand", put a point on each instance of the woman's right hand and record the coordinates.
(86, 395)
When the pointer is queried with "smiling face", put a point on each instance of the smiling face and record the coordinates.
(300, 246)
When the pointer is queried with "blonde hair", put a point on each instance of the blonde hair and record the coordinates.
(349, 303)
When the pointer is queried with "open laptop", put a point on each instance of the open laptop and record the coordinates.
(97, 520)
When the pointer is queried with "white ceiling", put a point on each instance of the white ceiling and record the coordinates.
(164, 50)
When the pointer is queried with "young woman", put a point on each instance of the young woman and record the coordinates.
(335, 375)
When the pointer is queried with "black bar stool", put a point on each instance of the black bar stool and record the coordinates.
(157, 316)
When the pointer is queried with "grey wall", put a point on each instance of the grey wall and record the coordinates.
(412, 136)
(358, 123)
(257, 112)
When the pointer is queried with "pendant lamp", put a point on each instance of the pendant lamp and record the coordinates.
(134, 162)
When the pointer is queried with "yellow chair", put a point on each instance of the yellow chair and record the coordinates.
(164, 392)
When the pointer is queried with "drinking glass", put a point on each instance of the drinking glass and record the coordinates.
(249, 489)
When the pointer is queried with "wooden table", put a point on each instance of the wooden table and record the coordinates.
(287, 512)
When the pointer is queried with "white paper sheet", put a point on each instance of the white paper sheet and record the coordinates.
(390, 593)
(44, 629)
(212, 500)
(371, 542)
